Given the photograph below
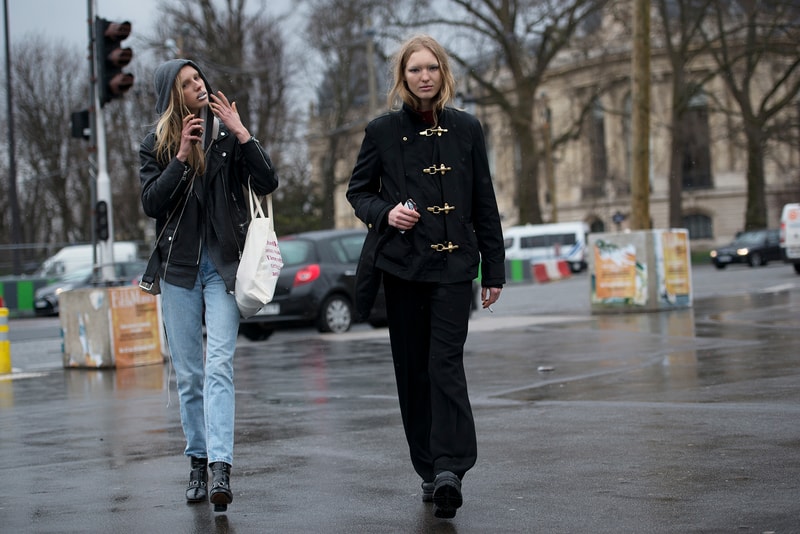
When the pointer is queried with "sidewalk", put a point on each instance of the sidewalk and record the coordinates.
(669, 422)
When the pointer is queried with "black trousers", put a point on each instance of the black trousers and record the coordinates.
(427, 328)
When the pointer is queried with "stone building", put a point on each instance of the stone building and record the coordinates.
(590, 174)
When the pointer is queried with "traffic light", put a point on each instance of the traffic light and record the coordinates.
(111, 58)
(79, 124)
(101, 220)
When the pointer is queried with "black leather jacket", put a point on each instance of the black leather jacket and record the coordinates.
(446, 173)
(213, 213)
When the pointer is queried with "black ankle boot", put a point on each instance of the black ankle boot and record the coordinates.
(198, 480)
(221, 494)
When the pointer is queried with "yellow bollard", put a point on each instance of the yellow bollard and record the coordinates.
(5, 344)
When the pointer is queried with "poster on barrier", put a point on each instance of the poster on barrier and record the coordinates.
(135, 334)
(674, 267)
(619, 276)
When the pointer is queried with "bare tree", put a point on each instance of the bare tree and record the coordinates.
(52, 170)
(681, 23)
(756, 45)
(342, 34)
(520, 38)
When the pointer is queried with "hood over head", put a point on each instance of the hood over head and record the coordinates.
(165, 76)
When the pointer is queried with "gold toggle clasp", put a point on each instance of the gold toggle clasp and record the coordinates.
(433, 169)
(436, 210)
(450, 247)
(433, 131)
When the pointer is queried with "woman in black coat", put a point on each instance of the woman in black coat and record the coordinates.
(423, 188)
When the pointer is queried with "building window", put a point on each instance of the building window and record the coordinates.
(699, 226)
(596, 225)
(597, 142)
(696, 165)
(597, 152)
(627, 134)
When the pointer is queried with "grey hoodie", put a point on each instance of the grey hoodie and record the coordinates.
(163, 80)
(165, 76)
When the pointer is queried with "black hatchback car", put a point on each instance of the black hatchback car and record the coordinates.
(316, 285)
(753, 247)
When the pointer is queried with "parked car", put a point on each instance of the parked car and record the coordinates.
(754, 247)
(46, 298)
(316, 285)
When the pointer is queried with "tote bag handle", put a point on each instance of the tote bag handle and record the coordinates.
(256, 209)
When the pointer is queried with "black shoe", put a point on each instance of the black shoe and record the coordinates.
(198, 480)
(446, 495)
(427, 491)
(220, 494)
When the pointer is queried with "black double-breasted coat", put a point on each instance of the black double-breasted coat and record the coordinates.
(445, 171)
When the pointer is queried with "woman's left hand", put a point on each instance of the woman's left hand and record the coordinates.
(489, 296)
(229, 115)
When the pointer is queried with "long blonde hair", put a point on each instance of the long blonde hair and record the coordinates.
(169, 128)
(400, 93)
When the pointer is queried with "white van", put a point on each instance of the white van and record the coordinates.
(564, 241)
(75, 257)
(790, 235)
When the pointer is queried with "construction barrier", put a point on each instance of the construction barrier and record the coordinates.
(110, 327)
(550, 270)
(19, 294)
(518, 271)
(5, 344)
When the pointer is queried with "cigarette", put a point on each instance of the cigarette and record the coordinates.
(490, 309)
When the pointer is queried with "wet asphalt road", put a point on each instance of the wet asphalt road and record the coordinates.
(673, 422)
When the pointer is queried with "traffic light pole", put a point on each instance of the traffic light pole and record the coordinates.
(104, 247)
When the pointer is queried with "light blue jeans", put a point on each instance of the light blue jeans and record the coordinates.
(205, 385)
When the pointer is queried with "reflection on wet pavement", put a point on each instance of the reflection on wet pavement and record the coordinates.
(678, 355)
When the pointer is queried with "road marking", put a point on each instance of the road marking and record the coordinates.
(780, 287)
(16, 375)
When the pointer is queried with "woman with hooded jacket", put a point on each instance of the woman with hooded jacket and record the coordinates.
(195, 164)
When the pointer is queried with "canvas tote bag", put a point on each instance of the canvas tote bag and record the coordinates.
(261, 260)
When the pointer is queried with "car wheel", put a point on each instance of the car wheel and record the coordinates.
(336, 315)
(755, 260)
(797, 268)
(255, 331)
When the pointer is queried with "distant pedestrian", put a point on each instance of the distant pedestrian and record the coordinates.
(422, 186)
(194, 165)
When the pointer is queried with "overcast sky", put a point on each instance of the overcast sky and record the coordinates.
(67, 19)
